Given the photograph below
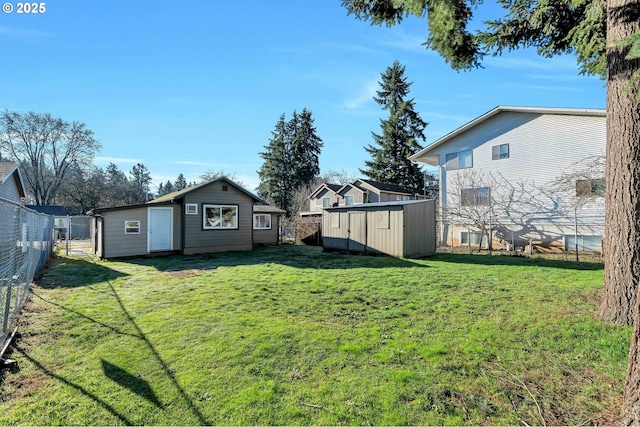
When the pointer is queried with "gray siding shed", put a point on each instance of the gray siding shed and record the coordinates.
(402, 229)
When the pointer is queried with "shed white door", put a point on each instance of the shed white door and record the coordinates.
(160, 230)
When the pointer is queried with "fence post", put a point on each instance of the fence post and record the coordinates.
(575, 224)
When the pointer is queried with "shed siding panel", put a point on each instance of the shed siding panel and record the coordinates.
(385, 240)
(199, 240)
(420, 229)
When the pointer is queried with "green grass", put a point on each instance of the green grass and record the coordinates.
(295, 336)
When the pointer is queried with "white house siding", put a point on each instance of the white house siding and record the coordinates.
(542, 146)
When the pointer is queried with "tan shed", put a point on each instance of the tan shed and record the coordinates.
(403, 229)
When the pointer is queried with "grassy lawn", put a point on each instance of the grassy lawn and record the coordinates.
(295, 336)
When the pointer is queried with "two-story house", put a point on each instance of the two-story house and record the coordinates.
(523, 175)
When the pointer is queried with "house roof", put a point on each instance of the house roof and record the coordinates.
(8, 169)
(181, 193)
(50, 210)
(176, 195)
(381, 186)
(266, 208)
(501, 109)
(378, 204)
(332, 187)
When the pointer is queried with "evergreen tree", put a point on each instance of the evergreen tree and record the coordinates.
(140, 180)
(180, 184)
(274, 172)
(401, 132)
(305, 149)
(117, 187)
(291, 159)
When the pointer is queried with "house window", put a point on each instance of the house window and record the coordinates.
(348, 200)
(132, 227)
(500, 152)
(460, 160)
(262, 221)
(217, 217)
(326, 202)
(191, 208)
(470, 237)
(475, 196)
(590, 187)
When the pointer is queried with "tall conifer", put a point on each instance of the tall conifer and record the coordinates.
(401, 133)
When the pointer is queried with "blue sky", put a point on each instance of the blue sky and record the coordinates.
(189, 86)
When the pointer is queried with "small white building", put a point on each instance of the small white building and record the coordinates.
(505, 166)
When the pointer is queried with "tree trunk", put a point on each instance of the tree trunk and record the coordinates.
(622, 201)
(622, 210)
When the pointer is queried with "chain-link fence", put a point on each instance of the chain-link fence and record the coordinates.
(74, 234)
(26, 241)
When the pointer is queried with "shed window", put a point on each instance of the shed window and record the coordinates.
(382, 220)
(500, 152)
(191, 208)
(132, 227)
(335, 219)
(261, 221)
(348, 200)
(217, 217)
(326, 202)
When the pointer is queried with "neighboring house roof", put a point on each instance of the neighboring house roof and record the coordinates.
(181, 193)
(500, 109)
(9, 169)
(331, 187)
(378, 204)
(365, 184)
(50, 210)
(264, 208)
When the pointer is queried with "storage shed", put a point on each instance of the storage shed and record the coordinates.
(402, 229)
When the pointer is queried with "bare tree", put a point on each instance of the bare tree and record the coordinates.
(485, 201)
(45, 147)
(212, 174)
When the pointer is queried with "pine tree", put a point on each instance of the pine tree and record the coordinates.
(180, 184)
(140, 180)
(291, 159)
(305, 149)
(401, 132)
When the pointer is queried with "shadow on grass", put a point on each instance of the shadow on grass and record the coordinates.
(131, 382)
(296, 256)
(115, 373)
(67, 272)
(516, 260)
(123, 419)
